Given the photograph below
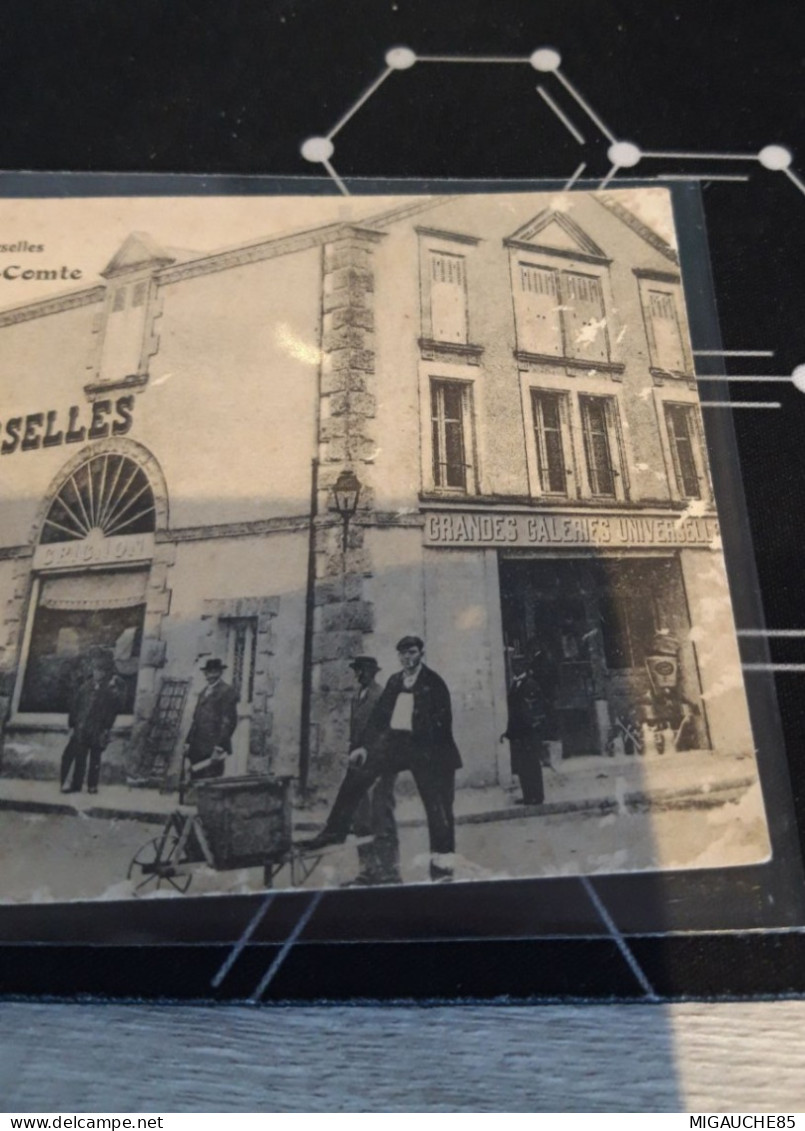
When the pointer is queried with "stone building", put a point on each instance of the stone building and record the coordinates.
(509, 377)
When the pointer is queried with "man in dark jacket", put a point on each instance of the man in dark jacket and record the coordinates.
(411, 728)
(379, 859)
(92, 715)
(525, 731)
(209, 739)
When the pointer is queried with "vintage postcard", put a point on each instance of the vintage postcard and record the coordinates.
(358, 541)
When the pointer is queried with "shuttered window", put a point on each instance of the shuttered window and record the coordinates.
(667, 345)
(448, 297)
(539, 327)
(584, 317)
(561, 313)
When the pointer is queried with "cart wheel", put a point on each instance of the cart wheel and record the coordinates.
(153, 865)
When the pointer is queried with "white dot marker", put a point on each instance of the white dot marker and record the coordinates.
(400, 58)
(798, 378)
(775, 157)
(317, 149)
(624, 154)
(546, 59)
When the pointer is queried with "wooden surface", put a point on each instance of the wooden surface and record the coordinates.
(110, 1058)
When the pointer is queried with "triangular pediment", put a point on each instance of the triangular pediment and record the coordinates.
(555, 231)
(138, 250)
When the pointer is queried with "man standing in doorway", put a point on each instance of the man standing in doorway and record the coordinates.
(209, 739)
(92, 716)
(411, 728)
(525, 731)
(379, 860)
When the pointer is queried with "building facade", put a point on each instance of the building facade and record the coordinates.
(509, 377)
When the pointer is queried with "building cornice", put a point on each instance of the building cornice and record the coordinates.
(557, 252)
(523, 357)
(265, 249)
(99, 388)
(460, 352)
(44, 307)
(638, 227)
(657, 276)
(448, 237)
(527, 505)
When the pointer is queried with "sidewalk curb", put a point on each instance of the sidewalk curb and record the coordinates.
(657, 798)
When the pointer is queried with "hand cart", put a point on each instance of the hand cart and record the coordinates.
(238, 822)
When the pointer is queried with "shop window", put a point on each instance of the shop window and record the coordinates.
(550, 433)
(448, 297)
(561, 313)
(451, 434)
(629, 616)
(680, 420)
(108, 493)
(74, 615)
(600, 441)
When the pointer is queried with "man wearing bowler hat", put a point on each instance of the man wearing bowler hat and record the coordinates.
(209, 739)
(411, 728)
(379, 860)
(92, 715)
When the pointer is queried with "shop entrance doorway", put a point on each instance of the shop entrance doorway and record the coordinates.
(591, 629)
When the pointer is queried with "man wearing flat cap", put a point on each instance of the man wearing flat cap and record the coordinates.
(379, 860)
(209, 739)
(410, 728)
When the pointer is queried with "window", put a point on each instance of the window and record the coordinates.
(596, 420)
(549, 411)
(540, 328)
(448, 297)
(584, 317)
(108, 493)
(139, 293)
(668, 350)
(119, 300)
(242, 653)
(74, 614)
(629, 610)
(451, 406)
(685, 451)
(561, 313)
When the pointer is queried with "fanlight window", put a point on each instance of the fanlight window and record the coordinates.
(108, 493)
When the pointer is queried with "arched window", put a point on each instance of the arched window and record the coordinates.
(85, 597)
(109, 493)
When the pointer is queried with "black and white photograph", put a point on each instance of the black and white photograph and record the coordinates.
(358, 542)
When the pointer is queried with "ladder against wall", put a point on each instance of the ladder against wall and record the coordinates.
(159, 764)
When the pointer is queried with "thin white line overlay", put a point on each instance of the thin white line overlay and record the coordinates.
(740, 404)
(367, 94)
(790, 633)
(560, 114)
(586, 107)
(620, 941)
(286, 948)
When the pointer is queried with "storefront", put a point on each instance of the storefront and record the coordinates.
(595, 630)
(616, 612)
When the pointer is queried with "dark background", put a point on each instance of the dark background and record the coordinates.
(207, 87)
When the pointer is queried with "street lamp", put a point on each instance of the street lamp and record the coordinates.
(346, 493)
